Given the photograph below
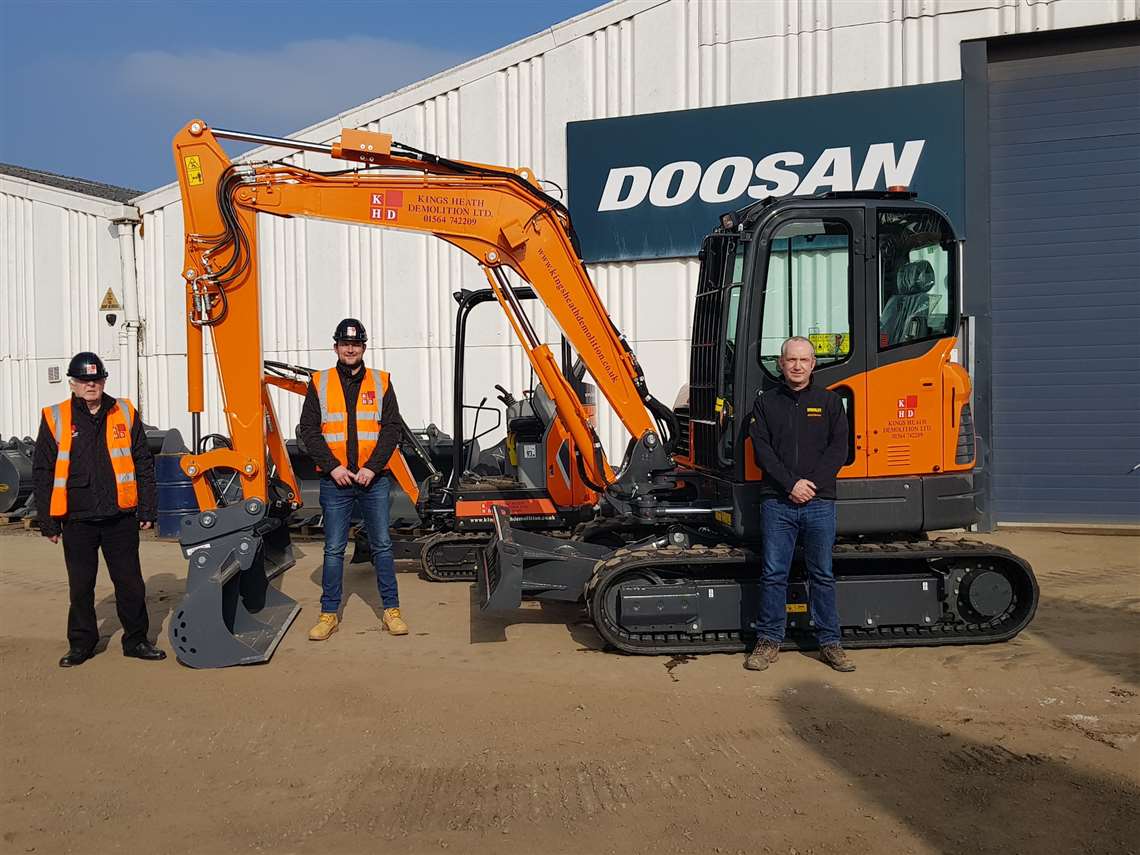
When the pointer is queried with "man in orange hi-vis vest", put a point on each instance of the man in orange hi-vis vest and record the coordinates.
(350, 425)
(93, 477)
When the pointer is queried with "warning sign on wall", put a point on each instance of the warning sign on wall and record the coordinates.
(110, 302)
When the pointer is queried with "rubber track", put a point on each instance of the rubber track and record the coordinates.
(436, 571)
(724, 558)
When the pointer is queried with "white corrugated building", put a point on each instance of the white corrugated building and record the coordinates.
(626, 58)
(67, 248)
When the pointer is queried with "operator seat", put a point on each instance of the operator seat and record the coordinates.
(906, 317)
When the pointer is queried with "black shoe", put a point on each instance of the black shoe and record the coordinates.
(145, 650)
(75, 656)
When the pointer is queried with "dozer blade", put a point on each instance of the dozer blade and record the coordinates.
(499, 577)
(517, 564)
(231, 615)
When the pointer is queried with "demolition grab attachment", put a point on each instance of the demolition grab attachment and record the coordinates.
(231, 614)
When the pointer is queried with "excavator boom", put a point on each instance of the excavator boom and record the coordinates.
(499, 217)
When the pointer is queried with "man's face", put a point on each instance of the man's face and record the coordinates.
(797, 362)
(89, 390)
(349, 352)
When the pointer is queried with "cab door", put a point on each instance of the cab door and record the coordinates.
(910, 328)
(809, 279)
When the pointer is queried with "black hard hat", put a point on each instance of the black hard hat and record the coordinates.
(350, 329)
(86, 366)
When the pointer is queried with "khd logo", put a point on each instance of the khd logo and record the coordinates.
(730, 178)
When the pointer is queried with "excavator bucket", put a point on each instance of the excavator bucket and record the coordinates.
(231, 614)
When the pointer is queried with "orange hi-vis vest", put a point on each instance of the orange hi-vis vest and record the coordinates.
(120, 420)
(334, 413)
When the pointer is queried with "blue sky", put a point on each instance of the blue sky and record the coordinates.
(96, 88)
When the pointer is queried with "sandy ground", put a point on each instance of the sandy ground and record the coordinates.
(475, 735)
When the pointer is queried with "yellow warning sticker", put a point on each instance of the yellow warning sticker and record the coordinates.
(831, 344)
(797, 608)
(194, 170)
(723, 517)
(719, 404)
(110, 302)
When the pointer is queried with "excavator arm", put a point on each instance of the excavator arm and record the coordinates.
(498, 216)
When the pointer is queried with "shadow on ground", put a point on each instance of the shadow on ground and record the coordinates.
(163, 591)
(1105, 636)
(491, 627)
(959, 794)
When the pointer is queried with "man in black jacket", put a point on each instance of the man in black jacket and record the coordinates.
(799, 433)
(93, 477)
(350, 425)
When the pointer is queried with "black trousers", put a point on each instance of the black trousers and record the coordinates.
(119, 539)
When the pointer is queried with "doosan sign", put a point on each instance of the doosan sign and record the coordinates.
(730, 178)
(652, 186)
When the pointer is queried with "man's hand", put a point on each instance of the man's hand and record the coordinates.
(54, 538)
(342, 476)
(364, 477)
(803, 492)
(145, 524)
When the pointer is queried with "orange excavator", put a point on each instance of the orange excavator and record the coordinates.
(872, 278)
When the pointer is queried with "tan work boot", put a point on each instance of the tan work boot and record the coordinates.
(765, 653)
(394, 623)
(834, 656)
(325, 627)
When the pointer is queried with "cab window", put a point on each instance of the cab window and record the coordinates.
(807, 291)
(916, 277)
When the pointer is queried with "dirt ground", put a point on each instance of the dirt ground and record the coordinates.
(484, 736)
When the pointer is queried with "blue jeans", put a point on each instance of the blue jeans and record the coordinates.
(337, 503)
(782, 523)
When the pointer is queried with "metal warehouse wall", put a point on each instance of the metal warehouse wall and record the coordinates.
(59, 253)
(511, 107)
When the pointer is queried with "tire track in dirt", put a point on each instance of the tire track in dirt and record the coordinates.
(480, 795)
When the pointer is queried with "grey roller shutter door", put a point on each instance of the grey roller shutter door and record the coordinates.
(1065, 273)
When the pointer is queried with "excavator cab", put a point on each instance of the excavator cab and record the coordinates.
(872, 281)
(530, 471)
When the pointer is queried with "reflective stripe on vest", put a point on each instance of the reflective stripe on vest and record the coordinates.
(120, 420)
(334, 413)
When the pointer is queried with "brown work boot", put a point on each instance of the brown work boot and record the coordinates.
(394, 623)
(834, 656)
(325, 627)
(764, 654)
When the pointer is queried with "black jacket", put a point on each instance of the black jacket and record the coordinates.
(799, 435)
(91, 484)
(309, 428)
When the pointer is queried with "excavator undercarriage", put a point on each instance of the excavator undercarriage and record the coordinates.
(672, 593)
